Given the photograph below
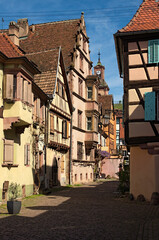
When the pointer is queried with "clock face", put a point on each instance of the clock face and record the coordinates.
(98, 72)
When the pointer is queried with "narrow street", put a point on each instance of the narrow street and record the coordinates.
(86, 212)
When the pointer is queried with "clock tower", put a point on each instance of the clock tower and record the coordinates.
(99, 70)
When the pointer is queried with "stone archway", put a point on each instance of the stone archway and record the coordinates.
(55, 172)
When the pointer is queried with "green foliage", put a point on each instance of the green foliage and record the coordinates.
(124, 180)
(14, 191)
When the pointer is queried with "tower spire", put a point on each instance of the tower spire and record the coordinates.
(99, 62)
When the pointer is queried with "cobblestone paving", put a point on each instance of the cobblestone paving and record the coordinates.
(87, 212)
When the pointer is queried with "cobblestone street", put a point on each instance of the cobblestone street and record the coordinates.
(86, 212)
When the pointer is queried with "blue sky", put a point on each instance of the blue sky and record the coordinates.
(103, 19)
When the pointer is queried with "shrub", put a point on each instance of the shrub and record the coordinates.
(14, 191)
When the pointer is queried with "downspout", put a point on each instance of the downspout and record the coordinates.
(70, 156)
(46, 141)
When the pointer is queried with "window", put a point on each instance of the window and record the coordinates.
(153, 51)
(51, 123)
(89, 92)
(42, 112)
(81, 62)
(79, 119)
(60, 89)
(84, 44)
(64, 129)
(16, 88)
(79, 150)
(80, 86)
(86, 176)
(89, 123)
(75, 177)
(27, 154)
(81, 176)
(8, 151)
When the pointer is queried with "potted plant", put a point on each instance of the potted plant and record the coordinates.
(13, 205)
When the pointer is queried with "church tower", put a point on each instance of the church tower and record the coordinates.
(99, 70)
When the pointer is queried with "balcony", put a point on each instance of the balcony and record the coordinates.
(57, 142)
(17, 114)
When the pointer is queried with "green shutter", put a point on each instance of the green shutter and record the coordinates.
(153, 51)
(150, 106)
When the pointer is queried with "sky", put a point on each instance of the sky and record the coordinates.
(103, 18)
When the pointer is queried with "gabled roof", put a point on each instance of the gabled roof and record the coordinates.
(47, 36)
(46, 81)
(47, 62)
(8, 48)
(146, 17)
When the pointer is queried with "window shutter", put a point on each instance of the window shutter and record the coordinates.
(9, 86)
(43, 113)
(150, 106)
(63, 129)
(38, 107)
(8, 151)
(29, 93)
(25, 154)
(150, 52)
(68, 129)
(51, 123)
(156, 51)
(19, 87)
(28, 154)
(153, 51)
(25, 91)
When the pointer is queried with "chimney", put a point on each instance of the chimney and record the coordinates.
(23, 27)
(14, 33)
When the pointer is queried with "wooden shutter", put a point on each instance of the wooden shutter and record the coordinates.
(156, 51)
(29, 93)
(43, 113)
(25, 154)
(51, 123)
(19, 87)
(68, 128)
(38, 107)
(8, 151)
(150, 106)
(9, 86)
(153, 51)
(28, 154)
(25, 91)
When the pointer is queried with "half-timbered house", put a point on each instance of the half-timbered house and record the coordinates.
(137, 48)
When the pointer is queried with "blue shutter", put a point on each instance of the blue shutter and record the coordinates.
(150, 106)
(153, 51)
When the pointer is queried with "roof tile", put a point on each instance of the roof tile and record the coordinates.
(146, 17)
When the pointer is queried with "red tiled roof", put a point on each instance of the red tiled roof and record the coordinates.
(47, 62)
(146, 17)
(106, 102)
(46, 81)
(8, 48)
(52, 35)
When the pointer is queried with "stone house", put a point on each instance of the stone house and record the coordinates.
(137, 49)
(71, 36)
(17, 108)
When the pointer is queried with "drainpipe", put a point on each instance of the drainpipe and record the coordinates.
(46, 141)
(70, 156)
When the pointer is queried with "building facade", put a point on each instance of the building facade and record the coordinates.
(137, 48)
